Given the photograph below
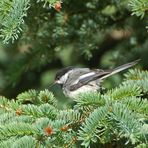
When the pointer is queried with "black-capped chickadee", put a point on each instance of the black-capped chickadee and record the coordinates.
(81, 80)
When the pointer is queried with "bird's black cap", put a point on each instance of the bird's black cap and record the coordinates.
(61, 72)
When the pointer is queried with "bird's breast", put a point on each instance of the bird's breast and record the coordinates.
(91, 87)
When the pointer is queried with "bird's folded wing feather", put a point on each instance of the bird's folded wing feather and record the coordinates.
(88, 75)
(86, 78)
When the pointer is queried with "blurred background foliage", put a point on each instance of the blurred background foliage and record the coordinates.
(40, 37)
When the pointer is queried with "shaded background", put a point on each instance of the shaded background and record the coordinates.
(95, 34)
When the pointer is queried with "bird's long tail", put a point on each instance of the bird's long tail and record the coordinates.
(120, 68)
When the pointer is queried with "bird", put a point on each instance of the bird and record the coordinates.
(75, 81)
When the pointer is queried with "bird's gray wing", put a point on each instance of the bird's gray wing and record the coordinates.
(86, 78)
(100, 74)
(76, 74)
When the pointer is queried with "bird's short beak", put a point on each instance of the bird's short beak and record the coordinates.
(57, 82)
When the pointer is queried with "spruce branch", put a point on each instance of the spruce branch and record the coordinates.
(44, 110)
(28, 96)
(128, 122)
(5, 7)
(90, 99)
(137, 104)
(69, 116)
(124, 91)
(139, 7)
(16, 129)
(138, 78)
(8, 143)
(93, 126)
(119, 115)
(12, 18)
(35, 97)
(25, 141)
(8, 105)
(7, 117)
(47, 97)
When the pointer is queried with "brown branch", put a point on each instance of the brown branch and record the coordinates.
(74, 139)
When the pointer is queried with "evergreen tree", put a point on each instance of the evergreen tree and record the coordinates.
(45, 35)
(117, 118)
(38, 38)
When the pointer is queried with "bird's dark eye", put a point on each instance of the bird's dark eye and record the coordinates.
(57, 77)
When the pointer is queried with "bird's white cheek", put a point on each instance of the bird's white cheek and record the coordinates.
(63, 79)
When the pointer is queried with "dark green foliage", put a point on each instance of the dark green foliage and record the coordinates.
(90, 33)
(37, 39)
(119, 116)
